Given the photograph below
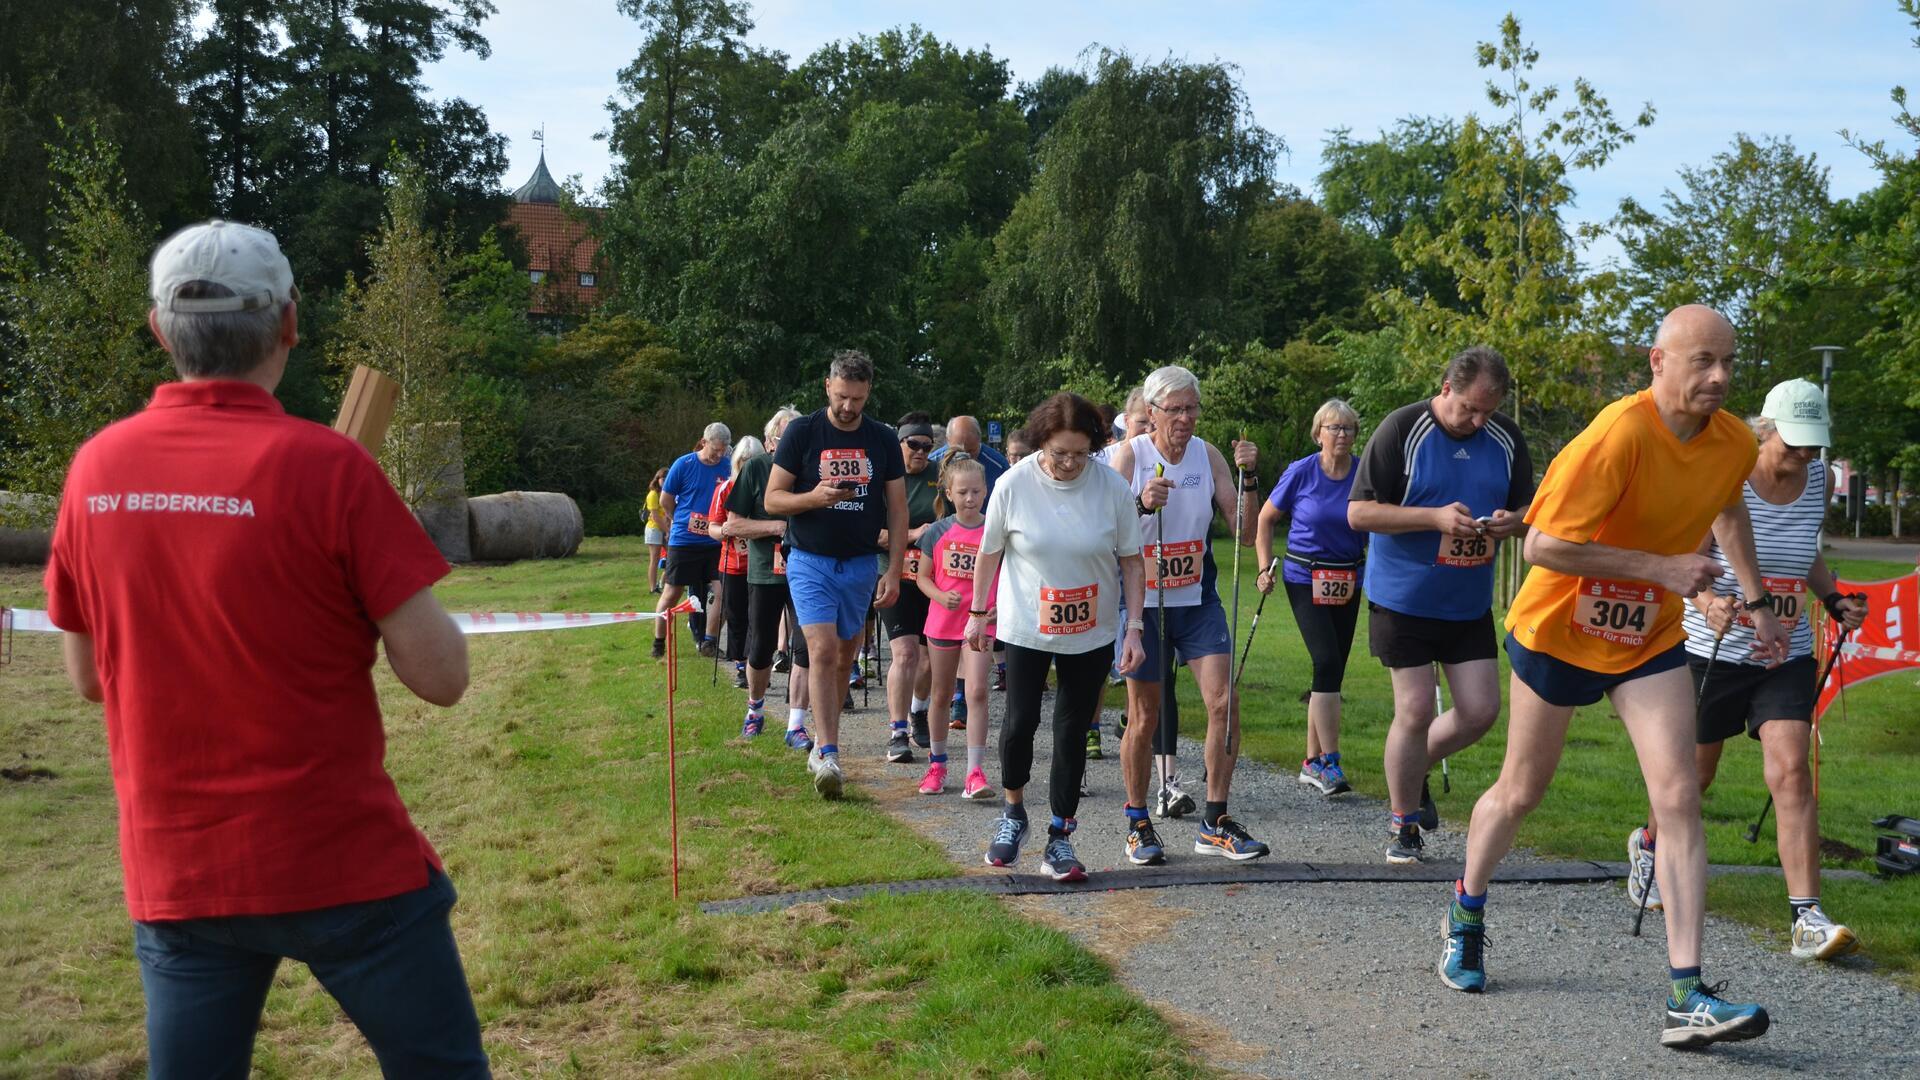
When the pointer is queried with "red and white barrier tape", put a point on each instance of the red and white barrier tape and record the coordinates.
(28, 620)
(1880, 652)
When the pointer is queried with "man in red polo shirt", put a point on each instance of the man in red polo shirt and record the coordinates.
(224, 573)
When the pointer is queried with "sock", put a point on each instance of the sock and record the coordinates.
(920, 704)
(936, 749)
(796, 719)
(1684, 981)
(756, 706)
(1000, 667)
(899, 725)
(1802, 903)
(1213, 813)
(1647, 838)
(976, 757)
(1307, 761)
(1330, 759)
(1135, 813)
(1059, 826)
(828, 748)
(739, 665)
(1016, 811)
(1397, 821)
(1466, 901)
(937, 757)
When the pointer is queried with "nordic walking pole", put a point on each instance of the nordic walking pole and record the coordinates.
(1440, 706)
(1272, 568)
(1160, 568)
(1699, 696)
(1239, 522)
(673, 785)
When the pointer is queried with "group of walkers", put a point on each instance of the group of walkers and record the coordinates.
(1087, 554)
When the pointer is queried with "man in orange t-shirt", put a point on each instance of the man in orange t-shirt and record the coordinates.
(1614, 546)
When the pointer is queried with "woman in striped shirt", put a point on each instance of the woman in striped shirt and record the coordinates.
(1787, 499)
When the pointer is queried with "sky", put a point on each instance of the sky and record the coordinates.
(1711, 69)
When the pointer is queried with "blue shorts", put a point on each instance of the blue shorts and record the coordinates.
(1569, 686)
(1192, 632)
(830, 590)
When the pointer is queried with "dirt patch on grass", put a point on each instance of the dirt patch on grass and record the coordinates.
(1120, 922)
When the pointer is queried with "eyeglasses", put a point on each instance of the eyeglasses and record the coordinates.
(1179, 411)
(1338, 429)
(922, 445)
(1067, 457)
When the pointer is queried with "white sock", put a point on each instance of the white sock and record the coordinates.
(920, 704)
(937, 746)
(976, 756)
(796, 719)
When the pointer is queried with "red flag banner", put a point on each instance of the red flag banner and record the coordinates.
(1886, 644)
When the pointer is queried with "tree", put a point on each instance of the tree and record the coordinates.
(1301, 272)
(73, 328)
(1044, 101)
(234, 75)
(694, 87)
(1382, 187)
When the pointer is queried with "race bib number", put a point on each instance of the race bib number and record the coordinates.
(959, 559)
(779, 560)
(1617, 612)
(1069, 611)
(697, 523)
(1334, 587)
(845, 465)
(910, 570)
(1173, 566)
(1788, 599)
(1465, 551)
(739, 547)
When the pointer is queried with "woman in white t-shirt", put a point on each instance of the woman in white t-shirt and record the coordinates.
(1064, 538)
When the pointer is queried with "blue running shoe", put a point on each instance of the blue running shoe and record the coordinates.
(1462, 965)
(1313, 773)
(752, 726)
(1143, 844)
(1007, 834)
(1059, 862)
(1333, 778)
(798, 739)
(1703, 1018)
(957, 714)
(1228, 839)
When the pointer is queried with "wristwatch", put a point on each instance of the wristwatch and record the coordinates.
(1765, 599)
(1251, 485)
(1136, 624)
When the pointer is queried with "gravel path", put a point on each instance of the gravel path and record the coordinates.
(1294, 980)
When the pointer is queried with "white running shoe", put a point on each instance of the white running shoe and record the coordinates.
(828, 780)
(1173, 801)
(1640, 871)
(1816, 937)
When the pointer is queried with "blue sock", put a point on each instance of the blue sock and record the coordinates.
(1466, 900)
(1135, 813)
(1017, 811)
(1685, 981)
(899, 725)
(828, 748)
(1059, 826)
(936, 759)
(1330, 759)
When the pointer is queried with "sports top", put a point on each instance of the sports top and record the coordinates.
(1173, 560)
(1786, 541)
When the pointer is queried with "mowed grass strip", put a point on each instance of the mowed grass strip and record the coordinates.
(545, 791)
(1870, 768)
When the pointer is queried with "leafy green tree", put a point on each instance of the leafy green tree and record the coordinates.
(694, 86)
(1044, 101)
(1301, 273)
(1382, 186)
(73, 327)
(235, 74)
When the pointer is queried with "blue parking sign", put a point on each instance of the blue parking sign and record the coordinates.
(993, 432)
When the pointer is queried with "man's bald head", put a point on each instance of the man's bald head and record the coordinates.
(1693, 324)
(1692, 361)
(963, 433)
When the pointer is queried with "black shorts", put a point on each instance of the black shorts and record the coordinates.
(766, 606)
(1404, 641)
(694, 567)
(908, 615)
(1571, 686)
(1747, 695)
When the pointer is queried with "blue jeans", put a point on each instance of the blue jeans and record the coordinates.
(391, 964)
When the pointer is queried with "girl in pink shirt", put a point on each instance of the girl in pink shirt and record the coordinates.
(952, 544)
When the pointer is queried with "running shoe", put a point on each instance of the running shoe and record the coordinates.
(1407, 847)
(921, 737)
(1172, 802)
(1007, 834)
(1640, 871)
(659, 648)
(827, 777)
(957, 724)
(1462, 963)
(1143, 844)
(1429, 813)
(798, 739)
(740, 677)
(976, 786)
(857, 678)
(999, 676)
(1093, 744)
(957, 714)
(1334, 776)
(1059, 861)
(1816, 937)
(935, 782)
(1313, 774)
(848, 705)
(752, 726)
(1704, 1018)
(898, 749)
(783, 661)
(709, 647)
(1229, 840)
(1114, 678)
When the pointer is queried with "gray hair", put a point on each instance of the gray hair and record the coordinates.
(1477, 362)
(1330, 410)
(211, 344)
(785, 415)
(1136, 397)
(1762, 427)
(1168, 380)
(717, 433)
(746, 450)
(851, 365)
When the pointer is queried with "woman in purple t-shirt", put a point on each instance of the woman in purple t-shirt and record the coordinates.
(1324, 558)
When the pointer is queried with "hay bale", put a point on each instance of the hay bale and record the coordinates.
(524, 525)
(26, 527)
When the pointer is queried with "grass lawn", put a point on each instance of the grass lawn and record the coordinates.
(1870, 765)
(546, 792)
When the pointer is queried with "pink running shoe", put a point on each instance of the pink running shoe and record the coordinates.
(976, 786)
(935, 781)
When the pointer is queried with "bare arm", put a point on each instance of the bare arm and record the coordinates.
(985, 567)
(783, 501)
(745, 528)
(666, 511)
(425, 649)
(1264, 529)
(77, 650)
(1684, 574)
(1225, 480)
(1820, 582)
(1379, 517)
(1733, 528)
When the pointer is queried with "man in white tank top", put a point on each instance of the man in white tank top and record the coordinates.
(1180, 481)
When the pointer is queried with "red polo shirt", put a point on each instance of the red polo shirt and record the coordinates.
(229, 562)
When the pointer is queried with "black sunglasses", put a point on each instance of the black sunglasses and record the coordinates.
(922, 445)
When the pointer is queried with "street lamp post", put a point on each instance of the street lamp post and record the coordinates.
(1826, 391)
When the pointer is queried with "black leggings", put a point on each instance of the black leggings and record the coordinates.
(1166, 735)
(733, 598)
(766, 606)
(1328, 631)
(1074, 701)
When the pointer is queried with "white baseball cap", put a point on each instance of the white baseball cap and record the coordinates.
(244, 259)
(1798, 410)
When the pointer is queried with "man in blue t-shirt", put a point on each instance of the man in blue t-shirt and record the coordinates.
(963, 433)
(1439, 485)
(693, 557)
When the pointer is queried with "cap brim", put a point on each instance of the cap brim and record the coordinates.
(1801, 434)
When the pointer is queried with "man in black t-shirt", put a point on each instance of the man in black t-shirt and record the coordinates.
(839, 479)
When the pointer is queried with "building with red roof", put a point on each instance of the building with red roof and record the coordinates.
(563, 254)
